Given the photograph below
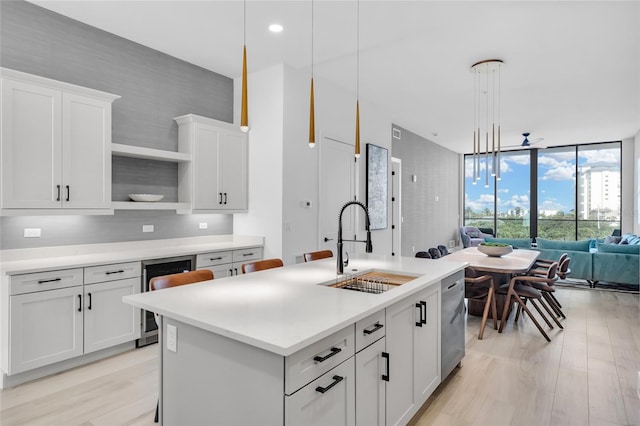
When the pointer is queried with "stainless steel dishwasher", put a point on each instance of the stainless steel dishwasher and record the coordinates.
(452, 322)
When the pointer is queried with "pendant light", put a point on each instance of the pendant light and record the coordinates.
(244, 112)
(487, 104)
(357, 151)
(312, 118)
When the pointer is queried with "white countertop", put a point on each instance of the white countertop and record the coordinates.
(21, 261)
(282, 310)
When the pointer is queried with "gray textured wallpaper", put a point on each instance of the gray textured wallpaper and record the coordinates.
(427, 222)
(155, 88)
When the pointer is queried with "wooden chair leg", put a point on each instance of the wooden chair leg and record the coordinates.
(494, 309)
(556, 300)
(552, 304)
(551, 313)
(485, 313)
(505, 311)
(533, 319)
(544, 317)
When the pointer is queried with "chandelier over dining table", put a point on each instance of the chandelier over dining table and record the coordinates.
(486, 112)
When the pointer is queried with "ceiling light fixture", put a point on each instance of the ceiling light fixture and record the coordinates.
(275, 28)
(312, 118)
(244, 112)
(486, 108)
(357, 151)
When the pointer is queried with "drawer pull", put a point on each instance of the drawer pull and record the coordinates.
(334, 351)
(248, 254)
(216, 258)
(49, 281)
(115, 272)
(377, 326)
(336, 379)
(385, 377)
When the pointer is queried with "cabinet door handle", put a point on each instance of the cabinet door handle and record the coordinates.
(336, 379)
(114, 272)
(236, 270)
(327, 239)
(58, 190)
(419, 322)
(225, 198)
(68, 193)
(79, 303)
(49, 281)
(377, 326)
(89, 306)
(230, 272)
(333, 352)
(220, 201)
(423, 303)
(385, 377)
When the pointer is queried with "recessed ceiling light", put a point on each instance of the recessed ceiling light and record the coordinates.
(275, 28)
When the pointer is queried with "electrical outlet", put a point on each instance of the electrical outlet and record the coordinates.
(32, 232)
(203, 225)
(172, 338)
(452, 243)
(147, 228)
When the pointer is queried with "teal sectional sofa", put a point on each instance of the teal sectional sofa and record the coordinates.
(617, 262)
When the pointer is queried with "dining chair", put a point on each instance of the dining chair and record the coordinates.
(443, 250)
(545, 283)
(423, 255)
(481, 288)
(435, 253)
(545, 263)
(317, 255)
(175, 280)
(260, 265)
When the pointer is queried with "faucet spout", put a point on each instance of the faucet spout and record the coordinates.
(368, 245)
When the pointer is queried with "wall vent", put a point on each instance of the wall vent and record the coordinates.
(397, 134)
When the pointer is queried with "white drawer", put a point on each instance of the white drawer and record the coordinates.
(246, 255)
(214, 258)
(40, 281)
(313, 361)
(370, 329)
(117, 271)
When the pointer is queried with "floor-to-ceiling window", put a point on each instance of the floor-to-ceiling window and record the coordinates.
(564, 193)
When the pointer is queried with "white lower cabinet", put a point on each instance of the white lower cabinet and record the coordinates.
(54, 316)
(413, 345)
(108, 321)
(328, 400)
(45, 327)
(227, 263)
(371, 375)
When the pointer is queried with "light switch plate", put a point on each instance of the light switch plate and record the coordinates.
(147, 228)
(203, 225)
(172, 338)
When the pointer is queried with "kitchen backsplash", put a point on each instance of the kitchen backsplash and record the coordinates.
(123, 226)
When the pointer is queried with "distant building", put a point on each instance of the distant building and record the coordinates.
(599, 193)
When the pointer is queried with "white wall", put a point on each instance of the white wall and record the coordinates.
(284, 170)
(636, 186)
(629, 200)
(265, 94)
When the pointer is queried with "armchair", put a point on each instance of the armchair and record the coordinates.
(472, 236)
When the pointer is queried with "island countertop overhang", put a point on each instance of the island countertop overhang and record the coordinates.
(283, 310)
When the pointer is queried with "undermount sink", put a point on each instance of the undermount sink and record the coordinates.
(375, 282)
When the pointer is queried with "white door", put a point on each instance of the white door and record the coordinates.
(337, 186)
(45, 327)
(427, 373)
(207, 194)
(396, 210)
(233, 170)
(86, 148)
(108, 321)
(370, 386)
(31, 146)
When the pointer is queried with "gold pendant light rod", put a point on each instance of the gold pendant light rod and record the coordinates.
(244, 112)
(312, 118)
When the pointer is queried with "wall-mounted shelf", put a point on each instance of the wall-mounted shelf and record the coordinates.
(149, 153)
(137, 205)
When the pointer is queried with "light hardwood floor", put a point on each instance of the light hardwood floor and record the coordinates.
(587, 375)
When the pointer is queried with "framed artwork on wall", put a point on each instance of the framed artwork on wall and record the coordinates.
(377, 173)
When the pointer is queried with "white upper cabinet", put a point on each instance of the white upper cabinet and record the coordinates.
(216, 178)
(55, 144)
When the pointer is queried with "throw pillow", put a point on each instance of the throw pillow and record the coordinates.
(473, 233)
(610, 239)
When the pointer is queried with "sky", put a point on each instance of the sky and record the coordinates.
(556, 184)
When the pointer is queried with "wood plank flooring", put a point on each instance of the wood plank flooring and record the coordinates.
(587, 375)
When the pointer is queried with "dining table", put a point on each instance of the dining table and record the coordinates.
(502, 268)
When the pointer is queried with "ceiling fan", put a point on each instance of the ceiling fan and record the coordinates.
(526, 143)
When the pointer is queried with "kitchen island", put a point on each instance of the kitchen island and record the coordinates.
(277, 347)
